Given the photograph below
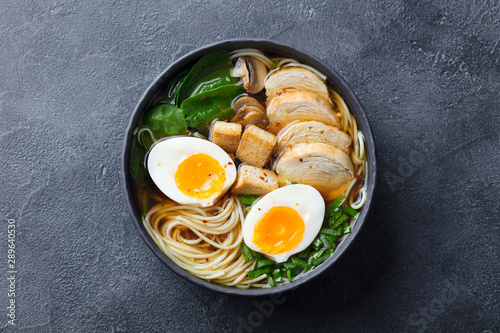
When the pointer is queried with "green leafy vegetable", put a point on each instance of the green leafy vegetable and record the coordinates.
(247, 254)
(248, 200)
(335, 206)
(341, 219)
(201, 109)
(163, 120)
(319, 259)
(174, 88)
(258, 272)
(277, 275)
(210, 72)
(257, 255)
(274, 65)
(270, 280)
(263, 263)
(299, 262)
(137, 170)
(350, 211)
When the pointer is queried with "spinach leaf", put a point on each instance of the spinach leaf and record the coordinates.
(163, 120)
(210, 72)
(174, 87)
(137, 170)
(201, 109)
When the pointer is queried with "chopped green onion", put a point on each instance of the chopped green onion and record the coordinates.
(289, 264)
(331, 232)
(332, 240)
(321, 258)
(299, 262)
(248, 200)
(254, 265)
(289, 274)
(324, 239)
(335, 217)
(264, 263)
(270, 280)
(315, 255)
(347, 230)
(317, 243)
(296, 271)
(274, 65)
(304, 254)
(277, 275)
(293, 183)
(340, 220)
(257, 255)
(350, 211)
(334, 206)
(247, 254)
(258, 272)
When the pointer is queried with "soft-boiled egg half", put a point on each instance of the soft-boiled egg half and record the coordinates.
(284, 221)
(191, 170)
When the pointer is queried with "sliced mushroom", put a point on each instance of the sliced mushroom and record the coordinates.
(312, 132)
(299, 105)
(293, 79)
(247, 101)
(327, 169)
(248, 115)
(253, 73)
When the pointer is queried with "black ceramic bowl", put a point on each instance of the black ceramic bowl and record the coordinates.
(159, 85)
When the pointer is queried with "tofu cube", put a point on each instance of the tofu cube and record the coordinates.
(254, 181)
(226, 135)
(256, 145)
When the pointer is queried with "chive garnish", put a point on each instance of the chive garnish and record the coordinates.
(258, 272)
(350, 211)
(247, 254)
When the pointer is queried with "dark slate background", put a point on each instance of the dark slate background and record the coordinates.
(428, 75)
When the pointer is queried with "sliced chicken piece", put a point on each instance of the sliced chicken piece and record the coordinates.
(299, 105)
(312, 132)
(292, 79)
(327, 169)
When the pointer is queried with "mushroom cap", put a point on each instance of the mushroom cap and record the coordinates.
(312, 132)
(326, 168)
(251, 115)
(247, 101)
(293, 79)
(253, 73)
(299, 105)
(258, 73)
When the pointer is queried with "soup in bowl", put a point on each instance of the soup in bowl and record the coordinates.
(249, 167)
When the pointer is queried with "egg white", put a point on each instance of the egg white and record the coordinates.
(166, 155)
(311, 208)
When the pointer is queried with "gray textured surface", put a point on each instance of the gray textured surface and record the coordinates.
(428, 75)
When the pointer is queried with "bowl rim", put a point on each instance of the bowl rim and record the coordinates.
(181, 63)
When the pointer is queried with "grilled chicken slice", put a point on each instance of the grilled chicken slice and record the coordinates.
(327, 169)
(299, 105)
(292, 79)
(312, 132)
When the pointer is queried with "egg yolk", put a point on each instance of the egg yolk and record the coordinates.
(279, 230)
(200, 176)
